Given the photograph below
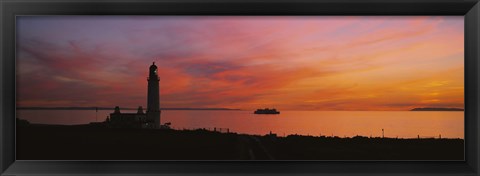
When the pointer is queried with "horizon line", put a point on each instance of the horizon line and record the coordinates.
(222, 108)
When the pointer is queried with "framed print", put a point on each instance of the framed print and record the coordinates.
(240, 88)
(255, 87)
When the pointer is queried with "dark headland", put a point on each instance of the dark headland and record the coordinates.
(111, 108)
(96, 142)
(437, 109)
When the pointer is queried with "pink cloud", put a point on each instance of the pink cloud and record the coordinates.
(242, 62)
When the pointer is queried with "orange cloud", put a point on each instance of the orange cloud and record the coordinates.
(292, 63)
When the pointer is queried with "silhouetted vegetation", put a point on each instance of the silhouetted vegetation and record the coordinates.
(22, 122)
(96, 142)
(364, 148)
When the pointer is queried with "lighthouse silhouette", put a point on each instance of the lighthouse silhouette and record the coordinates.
(153, 96)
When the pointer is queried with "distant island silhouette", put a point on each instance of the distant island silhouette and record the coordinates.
(436, 109)
(112, 108)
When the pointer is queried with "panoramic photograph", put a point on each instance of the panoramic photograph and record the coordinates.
(240, 88)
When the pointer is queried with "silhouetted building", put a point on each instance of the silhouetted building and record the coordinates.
(129, 120)
(153, 100)
(150, 119)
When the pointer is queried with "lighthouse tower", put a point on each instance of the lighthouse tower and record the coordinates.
(153, 97)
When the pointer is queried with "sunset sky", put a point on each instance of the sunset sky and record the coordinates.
(290, 63)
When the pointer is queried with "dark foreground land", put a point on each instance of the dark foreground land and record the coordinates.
(86, 142)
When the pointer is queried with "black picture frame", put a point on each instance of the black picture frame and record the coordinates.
(12, 8)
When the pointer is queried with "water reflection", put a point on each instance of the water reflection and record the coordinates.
(402, 124)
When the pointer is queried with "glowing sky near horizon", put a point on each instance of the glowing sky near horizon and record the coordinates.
(290, 63)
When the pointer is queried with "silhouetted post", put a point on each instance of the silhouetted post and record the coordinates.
(383, 133)
(440, 136)
(228, 130)
(215, 129)
(418, 136)
(96, 114)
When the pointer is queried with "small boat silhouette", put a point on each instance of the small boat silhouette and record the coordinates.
(266, 111)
